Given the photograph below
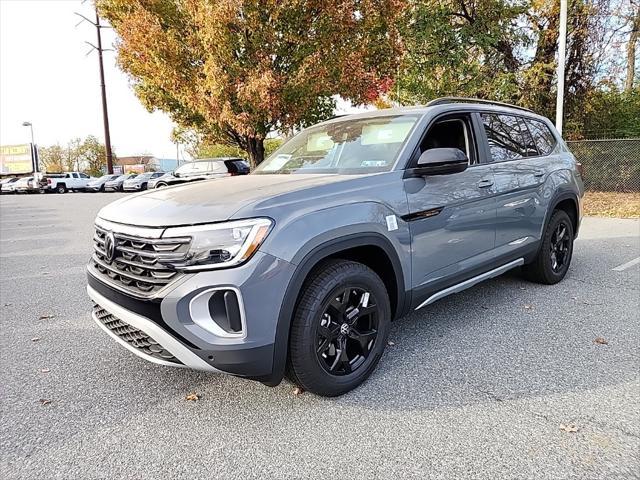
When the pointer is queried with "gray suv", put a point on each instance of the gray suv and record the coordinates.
(299, 268)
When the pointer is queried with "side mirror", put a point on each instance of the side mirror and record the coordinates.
(440, 161)
(176, 174)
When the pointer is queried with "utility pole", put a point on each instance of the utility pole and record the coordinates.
(562, 52)
(105, 114)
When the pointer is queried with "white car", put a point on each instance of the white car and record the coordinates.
(8, 185)
(63, 182)
(23, 185)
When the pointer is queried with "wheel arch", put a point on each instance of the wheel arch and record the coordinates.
(569, 202)
(365, 248)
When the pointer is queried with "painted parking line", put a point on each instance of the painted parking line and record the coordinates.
(630, 264)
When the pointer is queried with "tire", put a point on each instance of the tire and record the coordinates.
(143, 187)
(556, 249)
(316, 361)
(161, 185)
(61, 188)
(101, 189)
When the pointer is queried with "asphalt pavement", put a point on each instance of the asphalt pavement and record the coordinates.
(506, 380)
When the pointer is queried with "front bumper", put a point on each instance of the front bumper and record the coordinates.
(172, 326)
(132, 188)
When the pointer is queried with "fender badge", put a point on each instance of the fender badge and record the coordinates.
(392, 222)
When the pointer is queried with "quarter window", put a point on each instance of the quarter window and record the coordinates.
(506, 139)
(542, 136)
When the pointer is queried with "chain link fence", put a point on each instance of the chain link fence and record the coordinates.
(611, 165)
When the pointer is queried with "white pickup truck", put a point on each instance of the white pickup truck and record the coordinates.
(63, 182)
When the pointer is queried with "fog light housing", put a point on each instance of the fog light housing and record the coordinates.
(219, 311)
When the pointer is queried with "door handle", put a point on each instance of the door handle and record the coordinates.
(484, 183)
(538, 173)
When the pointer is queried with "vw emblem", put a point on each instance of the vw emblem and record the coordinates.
(109, 247)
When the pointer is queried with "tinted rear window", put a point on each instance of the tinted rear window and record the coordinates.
(506, 139)
(542, 136)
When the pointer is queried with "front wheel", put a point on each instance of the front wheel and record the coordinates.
(556, 249)
(161, 185)
(340, 328)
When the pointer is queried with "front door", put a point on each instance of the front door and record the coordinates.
(452, 217)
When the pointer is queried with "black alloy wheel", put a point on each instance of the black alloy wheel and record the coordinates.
(339, 329)
(560, 244)
(552, 261)
(347, 330)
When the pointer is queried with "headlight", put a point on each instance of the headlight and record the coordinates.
(219, 245)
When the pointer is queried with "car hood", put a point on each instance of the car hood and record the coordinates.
(207, 201)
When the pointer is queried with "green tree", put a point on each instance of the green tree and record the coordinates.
(236, 70)
(503, 50)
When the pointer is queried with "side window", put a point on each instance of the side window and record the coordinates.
(451, 133)
(84, 175)
(529, 143)
(505, 138)
(218, 167)
(542, 136)
(75, 175)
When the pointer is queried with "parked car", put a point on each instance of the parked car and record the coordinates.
(117, 184)
(140, 182)
(151, 184)
(24, 185)
(7, 185)
(63, 182)
(205, 169)
(302, 265)
(98, 184)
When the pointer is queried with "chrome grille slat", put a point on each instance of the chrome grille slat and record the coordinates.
(134, 337)
(138, 265)
(123, 273)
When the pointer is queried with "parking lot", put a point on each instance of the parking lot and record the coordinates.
(506, 380)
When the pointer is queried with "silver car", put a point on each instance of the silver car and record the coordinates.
(153, 182)
(98, 184)
(301, 266)
(140, 182)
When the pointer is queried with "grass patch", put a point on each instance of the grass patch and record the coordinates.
(612, 204)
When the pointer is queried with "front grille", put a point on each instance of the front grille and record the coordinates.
(137, 265)
(134, 337)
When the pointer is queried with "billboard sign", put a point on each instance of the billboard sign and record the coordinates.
(16, 159)
(138, 168)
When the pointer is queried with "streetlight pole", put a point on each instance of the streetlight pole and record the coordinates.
(562, 52)
(34, 151)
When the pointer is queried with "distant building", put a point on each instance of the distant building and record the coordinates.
(146, 163)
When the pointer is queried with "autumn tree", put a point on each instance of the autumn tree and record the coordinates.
(236, 70)
(87, 155)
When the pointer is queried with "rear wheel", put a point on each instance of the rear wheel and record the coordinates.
(340, 328)
(61, 189)
(554, 257)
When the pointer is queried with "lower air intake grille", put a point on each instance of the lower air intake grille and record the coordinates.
(134, 337)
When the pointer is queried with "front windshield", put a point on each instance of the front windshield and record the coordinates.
(365, 145)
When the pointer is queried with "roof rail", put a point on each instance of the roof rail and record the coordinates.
(447, 100)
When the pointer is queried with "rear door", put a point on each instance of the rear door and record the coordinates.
(518, 178)
(452, 217)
